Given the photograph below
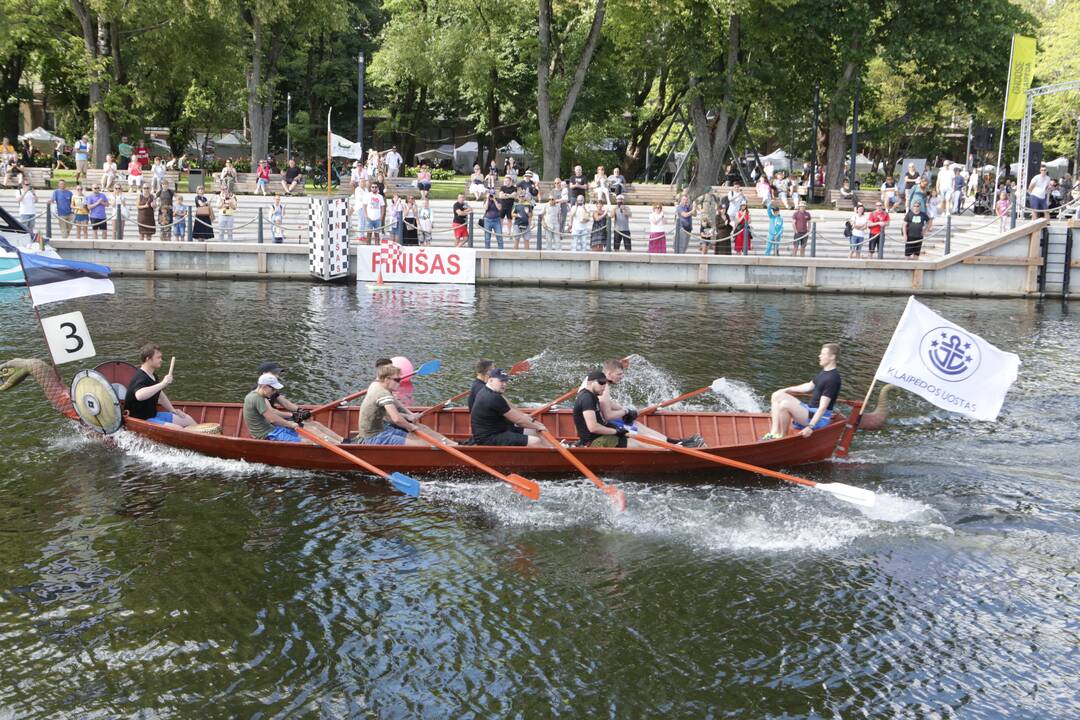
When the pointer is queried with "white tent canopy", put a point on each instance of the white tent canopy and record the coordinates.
(778, 158)
(465, 156)
(39, 136)
(511, 149)
(443, 152)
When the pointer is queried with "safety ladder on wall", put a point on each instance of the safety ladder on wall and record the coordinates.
(1058, 250)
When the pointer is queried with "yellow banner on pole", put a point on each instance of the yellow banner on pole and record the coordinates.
(1020, 71)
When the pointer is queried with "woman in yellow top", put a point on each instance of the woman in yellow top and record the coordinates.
(227, 206)
(81, 212)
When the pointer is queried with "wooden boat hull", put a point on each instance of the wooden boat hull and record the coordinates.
(731, 435)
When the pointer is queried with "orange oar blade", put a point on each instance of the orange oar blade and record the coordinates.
(523, 485)
(617, 496)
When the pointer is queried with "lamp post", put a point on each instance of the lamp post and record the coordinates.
(360, 99)
(288, 130)
(854, 138)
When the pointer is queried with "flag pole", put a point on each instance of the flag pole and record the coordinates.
(853, 423)
(329, 153)
(1004, 112)
(37, 314)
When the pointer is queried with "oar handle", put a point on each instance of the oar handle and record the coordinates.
(720, 460)
(685, 396)
(444, 403)
(526, 487)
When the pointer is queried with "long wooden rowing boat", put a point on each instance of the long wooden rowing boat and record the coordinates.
(732, 435)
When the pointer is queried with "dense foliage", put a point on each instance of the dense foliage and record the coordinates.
(591, 81)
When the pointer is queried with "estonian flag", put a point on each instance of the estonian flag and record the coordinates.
(52, 279)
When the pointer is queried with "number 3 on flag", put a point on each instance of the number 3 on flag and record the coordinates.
(68, 337)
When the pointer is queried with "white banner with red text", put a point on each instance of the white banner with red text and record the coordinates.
(415, 264)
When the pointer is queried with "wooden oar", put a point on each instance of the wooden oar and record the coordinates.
(566, 395)
(614, 493)
(520, 367)
(432, 366)
(850, 493)
(522, 485)
(685, 396)
(400, 481)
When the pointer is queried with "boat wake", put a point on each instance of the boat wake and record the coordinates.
(709, 518)
(164, 457)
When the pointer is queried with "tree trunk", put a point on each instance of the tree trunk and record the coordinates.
(493, 122)
(712, 137)
(837, 115)
(553, 131)
(837, 149)
(10, 80)
(261, 78)
(93, 33)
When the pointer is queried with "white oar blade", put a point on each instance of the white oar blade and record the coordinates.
(717, 384)
(850, 493)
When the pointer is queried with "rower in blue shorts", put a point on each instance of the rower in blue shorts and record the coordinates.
(264, 422)
(807, 417)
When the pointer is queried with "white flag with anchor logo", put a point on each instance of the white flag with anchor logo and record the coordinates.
(945, 364)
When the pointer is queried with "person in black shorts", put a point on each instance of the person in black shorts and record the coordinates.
(807, 417)
(593, 430)
(507, 196)
(493, 418)
(916, 224)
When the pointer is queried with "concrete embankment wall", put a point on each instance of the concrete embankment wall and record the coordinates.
(1001, 265)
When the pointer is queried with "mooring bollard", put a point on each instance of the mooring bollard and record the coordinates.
(48, 220)
(948, 234)
(191, 224)
(470, 229)
(540, 234)
(813, 239)
(260, 226)
(881, 244)
(118, 224)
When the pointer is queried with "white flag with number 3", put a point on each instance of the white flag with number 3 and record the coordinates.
(947, 365)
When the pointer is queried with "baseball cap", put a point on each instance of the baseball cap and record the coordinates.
(597, 376)
(499, 374)
(271, 380)
(270, 367)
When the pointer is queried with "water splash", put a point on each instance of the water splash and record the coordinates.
(175, 459)
(711, 518)
(736, 396)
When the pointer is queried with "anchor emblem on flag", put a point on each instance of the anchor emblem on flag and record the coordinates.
(951, 355)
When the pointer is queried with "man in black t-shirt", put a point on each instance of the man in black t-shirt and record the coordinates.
(592, 428)
(577, 184)
(293, 179)
(916, 224)
(145, 393)
(808, 417)
(493, 418)
(460, 222)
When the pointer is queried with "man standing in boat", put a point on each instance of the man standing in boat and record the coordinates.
(593, 430)
(494, 419)
(382, 420)
(145, 393)
(610, 408)
(265, 423)
(807, 417)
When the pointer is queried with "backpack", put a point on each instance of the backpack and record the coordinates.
(847, 229)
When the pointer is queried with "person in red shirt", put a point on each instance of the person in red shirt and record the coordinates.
(879, 220)
(142, 155)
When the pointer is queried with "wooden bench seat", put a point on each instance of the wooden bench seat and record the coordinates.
(96, 175)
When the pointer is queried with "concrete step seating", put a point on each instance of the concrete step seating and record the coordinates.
(40, 177)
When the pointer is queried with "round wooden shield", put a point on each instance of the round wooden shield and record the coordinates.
(95, 401)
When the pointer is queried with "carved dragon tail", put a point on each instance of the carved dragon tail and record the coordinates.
(15, 371)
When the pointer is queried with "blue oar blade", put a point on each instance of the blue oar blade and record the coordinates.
(431, 366)
(405, 484)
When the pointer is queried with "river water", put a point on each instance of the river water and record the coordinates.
(143, 581)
